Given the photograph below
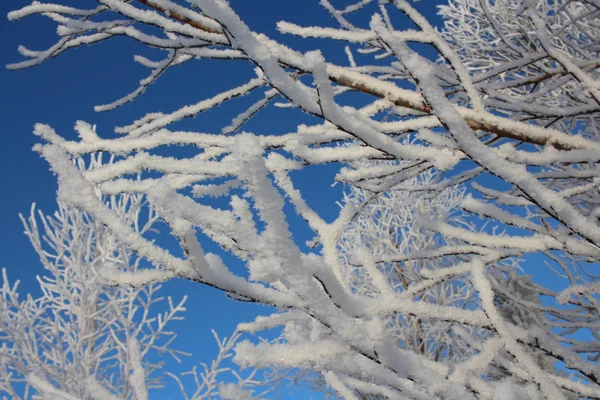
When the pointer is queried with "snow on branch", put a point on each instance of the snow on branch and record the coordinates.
(460, 171)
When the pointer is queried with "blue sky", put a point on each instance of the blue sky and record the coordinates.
(65, 89)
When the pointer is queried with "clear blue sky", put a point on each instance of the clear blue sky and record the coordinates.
(65, 89)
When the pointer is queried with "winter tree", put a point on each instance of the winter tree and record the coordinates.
(507, 107)
(81, 339)
(386, 226)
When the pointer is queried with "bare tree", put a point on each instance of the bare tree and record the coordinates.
(81, 339)
(519, 126)
(387, 227)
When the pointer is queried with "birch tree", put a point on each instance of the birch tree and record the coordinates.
(508, 109)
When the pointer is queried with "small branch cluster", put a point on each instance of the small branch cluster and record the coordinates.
(81, 339)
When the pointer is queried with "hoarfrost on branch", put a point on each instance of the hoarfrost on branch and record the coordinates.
(387, 301)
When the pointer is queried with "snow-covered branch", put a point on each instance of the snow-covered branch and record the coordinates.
(460, 170)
